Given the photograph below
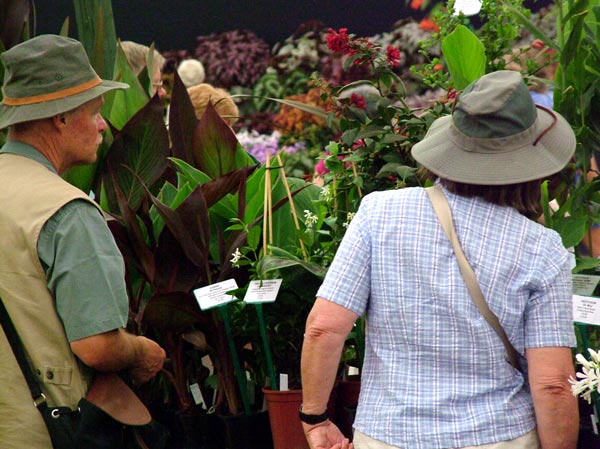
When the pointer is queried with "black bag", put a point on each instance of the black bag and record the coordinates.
(90, 427)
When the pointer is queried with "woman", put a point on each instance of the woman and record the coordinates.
(435, 373)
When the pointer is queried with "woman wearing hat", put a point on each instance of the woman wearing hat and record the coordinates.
(436, 374)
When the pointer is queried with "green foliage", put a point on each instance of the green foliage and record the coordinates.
(502, 23)
(96, 28)
(465, 56)
(273, 85)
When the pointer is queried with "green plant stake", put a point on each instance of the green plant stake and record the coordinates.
(265, 340)
(236, 361)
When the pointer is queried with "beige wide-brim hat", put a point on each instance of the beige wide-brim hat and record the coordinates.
(46, 76)
(496, 136)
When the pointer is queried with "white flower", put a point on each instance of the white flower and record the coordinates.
(309, 218)
(349, 218)
(237, 255)
(589, 377)
(326, 194)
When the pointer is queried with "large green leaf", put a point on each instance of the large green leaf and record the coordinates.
(570, 50)
(282, 259)
(96, 30)
(139, 152)
(571, 229)
(121, 105)
(465, 56)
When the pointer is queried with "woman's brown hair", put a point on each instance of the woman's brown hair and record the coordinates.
(525, 197)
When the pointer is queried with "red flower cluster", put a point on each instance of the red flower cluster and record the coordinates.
(338, 41)
(416, 4)
(393, 56)
(358, 101)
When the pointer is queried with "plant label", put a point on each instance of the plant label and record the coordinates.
(586, 310)
(283, 382)
(262, 291)
(197, 395)
(467, 7)
(584, 284)
(215, 295)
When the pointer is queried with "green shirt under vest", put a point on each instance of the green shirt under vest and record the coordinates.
(83, 264)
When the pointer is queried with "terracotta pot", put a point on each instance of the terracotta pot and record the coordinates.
(286, 428)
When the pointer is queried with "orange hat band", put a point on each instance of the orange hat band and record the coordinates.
(53, 95)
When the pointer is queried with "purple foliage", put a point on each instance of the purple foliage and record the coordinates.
(233, 58)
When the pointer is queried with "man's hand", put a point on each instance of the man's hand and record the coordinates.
(150, 361)
(326, 435)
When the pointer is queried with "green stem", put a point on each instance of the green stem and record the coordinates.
(239, 374)
(265, 340)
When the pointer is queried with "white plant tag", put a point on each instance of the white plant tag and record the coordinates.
(262, 291)
(585, 284)
(197, 395)
(283, 382)
(586, 309)
(467, 7)
(215, 295)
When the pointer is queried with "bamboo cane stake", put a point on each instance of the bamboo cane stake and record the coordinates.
(268, 187)
(355, 171)
(265, 205)
(291, 201)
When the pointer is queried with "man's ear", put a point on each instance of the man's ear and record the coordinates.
(59, 120)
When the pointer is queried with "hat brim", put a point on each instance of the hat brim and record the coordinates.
(452, 155)
(11, 115)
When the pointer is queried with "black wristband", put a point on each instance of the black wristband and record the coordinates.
(312, 419)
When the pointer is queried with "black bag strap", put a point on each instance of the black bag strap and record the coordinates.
(39, 399)
(442, 210)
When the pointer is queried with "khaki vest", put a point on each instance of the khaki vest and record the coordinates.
(30, 194)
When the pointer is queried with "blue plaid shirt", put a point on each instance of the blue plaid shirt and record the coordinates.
(435, 373)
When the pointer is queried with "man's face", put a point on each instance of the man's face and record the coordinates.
(83, 133)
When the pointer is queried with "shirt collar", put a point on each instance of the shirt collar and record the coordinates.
(22, 149)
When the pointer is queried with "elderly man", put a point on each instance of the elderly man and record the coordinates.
(61, 273)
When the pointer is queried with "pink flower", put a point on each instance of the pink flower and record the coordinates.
(338, 42)
(358, 101)
(320, 168)
(393, 56)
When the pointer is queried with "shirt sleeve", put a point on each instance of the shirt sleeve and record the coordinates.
(549, 311)
(84, 269)
(348, 279)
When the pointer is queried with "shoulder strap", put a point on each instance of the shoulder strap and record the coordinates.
(39, 399)
(442, 210)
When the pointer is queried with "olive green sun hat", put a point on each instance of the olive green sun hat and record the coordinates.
(496, 135)
(45, 76)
